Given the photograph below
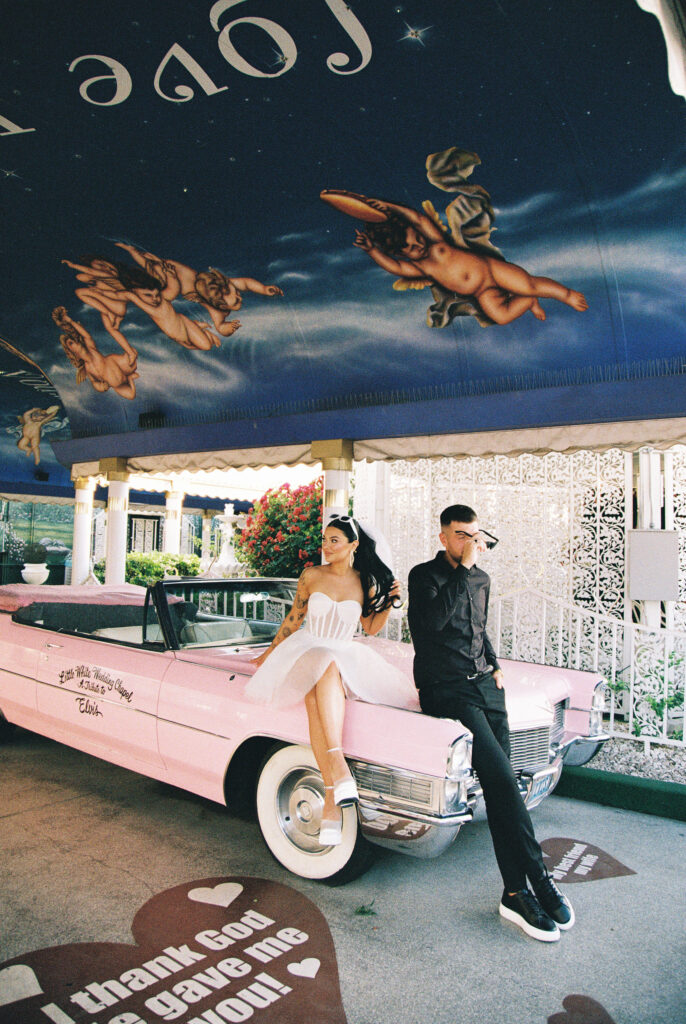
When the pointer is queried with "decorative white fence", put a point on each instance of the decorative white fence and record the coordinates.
(644, 668)
(562, 521)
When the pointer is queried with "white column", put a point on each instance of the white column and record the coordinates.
(336, 458)
(171, 542)
(650, 516)
(668, 462)
(117, 518)
(206, 541)
(83, 522)
(629, 483)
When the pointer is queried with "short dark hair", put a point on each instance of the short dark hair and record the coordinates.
(457, 514)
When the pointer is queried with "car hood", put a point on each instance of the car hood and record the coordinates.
(531, 691)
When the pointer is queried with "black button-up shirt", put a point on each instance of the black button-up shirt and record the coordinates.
(448, 609)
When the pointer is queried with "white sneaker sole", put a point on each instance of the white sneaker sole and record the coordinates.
(535, 933)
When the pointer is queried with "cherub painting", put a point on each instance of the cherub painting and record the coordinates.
(117, 370)
(153, 285)
(111, 285)
(218, 294)
(464, 270)
(32, 422)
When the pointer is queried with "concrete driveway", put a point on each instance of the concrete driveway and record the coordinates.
(85, 845)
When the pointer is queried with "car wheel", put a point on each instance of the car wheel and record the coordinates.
(290, 797)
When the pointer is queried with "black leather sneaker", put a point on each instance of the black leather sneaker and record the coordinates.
(524, 910)
(553, 902)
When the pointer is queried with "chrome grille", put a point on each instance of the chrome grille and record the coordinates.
(530, 749)
(409, 788)
(557, 731)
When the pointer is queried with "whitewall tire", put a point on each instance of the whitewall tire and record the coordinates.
(290, 797)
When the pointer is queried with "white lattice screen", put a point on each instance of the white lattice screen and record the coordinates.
(558, 574)
(560, 518)
(678, 459)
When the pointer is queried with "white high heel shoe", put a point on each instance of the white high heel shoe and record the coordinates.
(345, 790)
(330, 830)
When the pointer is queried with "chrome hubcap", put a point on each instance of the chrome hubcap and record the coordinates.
(299, 803)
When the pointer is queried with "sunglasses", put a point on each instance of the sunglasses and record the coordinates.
(344, 519)
(489, 540)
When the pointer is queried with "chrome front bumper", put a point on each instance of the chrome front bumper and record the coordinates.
(535, 786)
(409, 813)
(417, 835)
(580, 749)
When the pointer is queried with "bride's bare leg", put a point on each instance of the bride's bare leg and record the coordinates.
(321, 755)
(325, 704)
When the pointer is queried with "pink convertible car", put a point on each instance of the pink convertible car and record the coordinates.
(153, 681)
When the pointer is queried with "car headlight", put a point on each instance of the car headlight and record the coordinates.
(595, 722)
(454, 793)
(460, 758)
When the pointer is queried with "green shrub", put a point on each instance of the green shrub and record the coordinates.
(34, 553)
(147, 569)
(283, 533)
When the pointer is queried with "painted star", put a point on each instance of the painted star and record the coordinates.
(280, 59)
(415, 34)
(8, 174)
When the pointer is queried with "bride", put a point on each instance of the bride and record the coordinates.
(321, 664)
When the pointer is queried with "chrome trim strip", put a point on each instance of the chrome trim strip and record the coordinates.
(428, 819)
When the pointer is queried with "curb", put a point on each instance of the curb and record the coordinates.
(628, 792)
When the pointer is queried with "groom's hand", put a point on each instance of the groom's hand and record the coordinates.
(470, 551)
(499, 678)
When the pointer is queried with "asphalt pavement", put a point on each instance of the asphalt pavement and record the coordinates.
(84, 846)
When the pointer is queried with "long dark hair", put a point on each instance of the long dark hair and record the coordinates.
(375, 576)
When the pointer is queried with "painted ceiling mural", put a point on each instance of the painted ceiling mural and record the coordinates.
(231, 209)
(31, 417)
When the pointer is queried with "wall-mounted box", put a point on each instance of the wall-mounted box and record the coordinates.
(653, 565)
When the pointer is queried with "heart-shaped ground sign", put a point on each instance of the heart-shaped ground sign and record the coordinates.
(573, 860)
(221, 895)
(213, 951)
(581, 1010)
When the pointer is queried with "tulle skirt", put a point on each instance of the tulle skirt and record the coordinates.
(298, 662)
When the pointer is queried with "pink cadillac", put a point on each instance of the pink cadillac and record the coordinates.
(153, 681)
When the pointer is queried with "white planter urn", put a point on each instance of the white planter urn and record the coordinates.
(35, 572)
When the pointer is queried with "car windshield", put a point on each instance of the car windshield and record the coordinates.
(215, 613)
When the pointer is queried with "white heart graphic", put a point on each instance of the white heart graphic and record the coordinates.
(306, 968)
(18, 982)
(221, 896)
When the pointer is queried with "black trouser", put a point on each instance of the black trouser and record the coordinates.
(516, 849)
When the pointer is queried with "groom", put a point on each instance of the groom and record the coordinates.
(458, 676)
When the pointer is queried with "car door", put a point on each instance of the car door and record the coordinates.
(19, 654)
(101, 696)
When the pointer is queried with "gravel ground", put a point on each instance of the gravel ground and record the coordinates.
(630, 758)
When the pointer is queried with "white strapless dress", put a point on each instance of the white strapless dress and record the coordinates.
(295, 665)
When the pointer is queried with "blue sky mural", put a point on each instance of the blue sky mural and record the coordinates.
(31, 417)
(167, 257)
